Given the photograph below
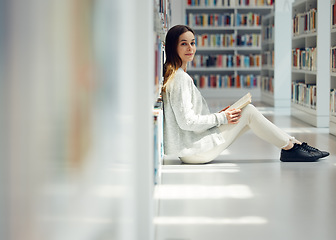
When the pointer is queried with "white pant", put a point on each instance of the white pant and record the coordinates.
(252, 119)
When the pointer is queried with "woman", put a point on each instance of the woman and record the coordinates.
(198, 136)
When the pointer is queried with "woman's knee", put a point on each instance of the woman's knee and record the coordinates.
(249, 108)
(250, 111)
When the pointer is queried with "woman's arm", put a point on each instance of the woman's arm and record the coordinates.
(180, 97)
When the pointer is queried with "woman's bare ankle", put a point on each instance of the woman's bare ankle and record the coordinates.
(289, 146)
(291, 143)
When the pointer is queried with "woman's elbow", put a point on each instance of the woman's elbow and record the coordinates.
(187, 125)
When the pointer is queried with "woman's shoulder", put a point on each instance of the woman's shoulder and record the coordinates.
(181, 72)
(182, 75)
(181, 80)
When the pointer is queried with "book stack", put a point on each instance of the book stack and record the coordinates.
(304, 94)
(333, 59)
(298, 24)
(228, 40)
(254, 2)
(211, 3)
(249, 19)
(215, 40)
(251, 40)
(226, 81)
(210, 20)
(268, 58)
(304, 22)
(229, 3)
(226, 61)
(267, 84)
(223, 19)
(268, 32)
(244, 61)
(304, 58)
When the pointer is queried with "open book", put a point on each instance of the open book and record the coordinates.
(241, 103)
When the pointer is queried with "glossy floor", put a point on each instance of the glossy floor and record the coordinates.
(247, 193)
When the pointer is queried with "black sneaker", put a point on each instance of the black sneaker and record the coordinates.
(322, 154)
(298, 153)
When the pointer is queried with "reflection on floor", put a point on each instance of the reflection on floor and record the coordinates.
(247, 193)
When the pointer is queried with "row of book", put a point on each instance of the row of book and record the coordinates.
(304, 58)
(254, 2)
(267, 58)
(333, 101)
(229, 3)
(158, 139)
(249, 19)
(304, 94)
(228, 40)
(250, 40)
(215, 40)
(333, 59)
(223, 19)
(226, 81)
(213, 20)
(226, 61)
(304, 22)
(267, 84)
(268, 32)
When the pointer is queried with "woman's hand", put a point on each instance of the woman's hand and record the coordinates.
(233, 115)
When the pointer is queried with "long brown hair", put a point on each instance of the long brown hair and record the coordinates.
(173, 61)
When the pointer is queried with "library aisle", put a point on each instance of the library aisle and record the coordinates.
(247, 193)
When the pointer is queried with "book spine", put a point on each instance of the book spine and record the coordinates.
(333, 102)
(304, 22)
(333, 58)
(304, 94)
(304, 58)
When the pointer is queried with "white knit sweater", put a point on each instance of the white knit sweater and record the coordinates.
(189, 127)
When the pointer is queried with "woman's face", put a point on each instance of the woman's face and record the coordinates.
(186, 47)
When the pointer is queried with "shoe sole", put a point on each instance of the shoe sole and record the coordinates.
(300, 160)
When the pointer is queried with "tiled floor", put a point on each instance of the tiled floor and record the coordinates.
(247, 193)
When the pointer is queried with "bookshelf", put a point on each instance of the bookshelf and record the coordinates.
(162, 18)
(267, 56)
(81, 102)
(310, 61)
(228, 37)
(276, 67)
(332, 122)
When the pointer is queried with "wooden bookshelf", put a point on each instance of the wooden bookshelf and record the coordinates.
(305, 36)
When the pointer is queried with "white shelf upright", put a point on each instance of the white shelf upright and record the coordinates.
(316, 115)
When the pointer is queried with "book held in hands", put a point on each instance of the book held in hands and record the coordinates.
(241, 103)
